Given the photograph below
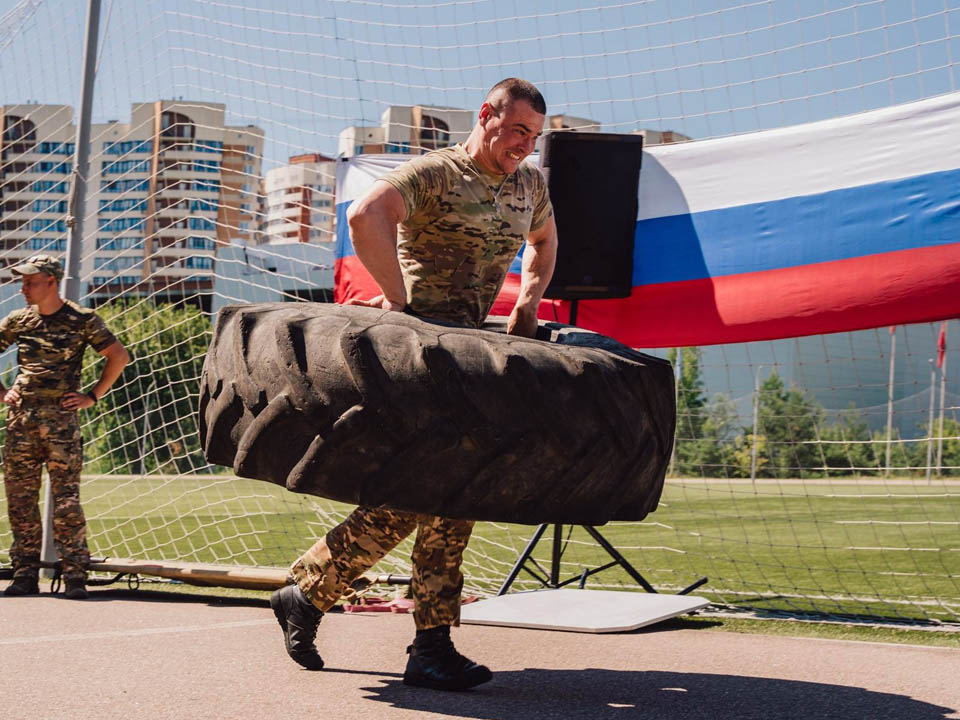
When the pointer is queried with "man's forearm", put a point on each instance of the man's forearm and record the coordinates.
(117, 359)
(539, 260)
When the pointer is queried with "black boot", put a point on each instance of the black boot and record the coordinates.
(23, 585)
(299, 619)
(76, 589)
(434, 663)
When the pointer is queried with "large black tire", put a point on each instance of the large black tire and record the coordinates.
(386, 409)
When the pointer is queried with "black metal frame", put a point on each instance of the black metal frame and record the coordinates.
(552, 580)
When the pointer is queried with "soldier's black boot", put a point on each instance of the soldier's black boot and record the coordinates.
(23, 585)
(434, 663)
(299, 619)
(76, 589)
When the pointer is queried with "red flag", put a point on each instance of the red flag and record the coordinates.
(942, 344)
(893, 329)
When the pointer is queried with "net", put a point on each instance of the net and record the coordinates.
(216, 128)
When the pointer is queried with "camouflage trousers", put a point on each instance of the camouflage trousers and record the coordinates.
(326, 570)
(37, 434)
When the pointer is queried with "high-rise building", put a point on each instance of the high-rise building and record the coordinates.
(662, 137)
(299, 202)
(162, 192)
(408, 130)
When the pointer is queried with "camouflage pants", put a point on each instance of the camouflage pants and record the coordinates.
(38, 434)
(356, 544)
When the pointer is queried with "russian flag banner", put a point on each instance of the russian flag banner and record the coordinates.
(837, 225)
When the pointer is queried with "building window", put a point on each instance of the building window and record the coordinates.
(136, 204)
(40, 225)
(128, 146)
(120, 243)
(196, 223)
(198, 263)
(210, 146)
(121, 224)
(205, 166)
(52, 186)
(41, 205)
(18, 130)
(198, 243)
(176, 125)
(55, 148)
(117, 186)
(50, 244)
(125, 166)
(434, 133)
(203, 206)
(61, 168)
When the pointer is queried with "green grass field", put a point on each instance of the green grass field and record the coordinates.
(867, 549)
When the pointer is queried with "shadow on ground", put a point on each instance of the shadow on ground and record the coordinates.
(600, 694)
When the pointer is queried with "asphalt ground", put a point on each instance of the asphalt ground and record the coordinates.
(124, 656)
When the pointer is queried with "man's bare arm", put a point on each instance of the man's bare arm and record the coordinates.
(539, 258)
(117, 359)
(373, 230)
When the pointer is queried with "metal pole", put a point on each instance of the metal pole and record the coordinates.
(756, 417)
(943, 398)
(893, 355)
(933, 392)
(70, 288)
(678, 376)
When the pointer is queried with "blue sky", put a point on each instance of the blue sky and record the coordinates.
(302, 70)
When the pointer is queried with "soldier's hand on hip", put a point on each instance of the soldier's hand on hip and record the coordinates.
(11, 396)
(76, 401)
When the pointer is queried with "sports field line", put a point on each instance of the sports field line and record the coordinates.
(59, 638)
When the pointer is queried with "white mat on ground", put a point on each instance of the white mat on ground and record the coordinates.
(595, 611)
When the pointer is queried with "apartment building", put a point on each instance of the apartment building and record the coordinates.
(408, 130)
(298, 201)
(163, 191)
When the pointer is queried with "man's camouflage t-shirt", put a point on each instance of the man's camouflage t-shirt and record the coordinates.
(50, 347)
(463, 229)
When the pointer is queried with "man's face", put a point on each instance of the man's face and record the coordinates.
(38, 287)
(509, 135)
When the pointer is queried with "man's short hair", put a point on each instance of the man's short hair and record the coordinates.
(39, 264)
(518, 89)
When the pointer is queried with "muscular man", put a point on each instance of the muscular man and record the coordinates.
(463, 213)
(51, 335)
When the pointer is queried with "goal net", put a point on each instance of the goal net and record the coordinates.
(815, 474)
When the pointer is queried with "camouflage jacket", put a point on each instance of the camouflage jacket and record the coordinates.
(50, 347)
(463, 229)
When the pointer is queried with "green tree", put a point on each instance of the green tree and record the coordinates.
(846, 448)
(691, 412)
(148, 422)
(950, 461)
(788, 421)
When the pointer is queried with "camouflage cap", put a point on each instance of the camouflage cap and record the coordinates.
(39, 264)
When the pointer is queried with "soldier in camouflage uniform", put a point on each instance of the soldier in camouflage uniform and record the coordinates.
(463, 213)
(51, 335)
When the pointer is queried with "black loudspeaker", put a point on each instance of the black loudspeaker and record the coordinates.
(592, 179)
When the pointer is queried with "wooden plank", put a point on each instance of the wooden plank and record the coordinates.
(198, 573)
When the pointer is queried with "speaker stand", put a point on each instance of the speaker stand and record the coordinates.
(552, 579)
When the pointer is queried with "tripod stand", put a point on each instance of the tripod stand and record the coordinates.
(552, 579)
